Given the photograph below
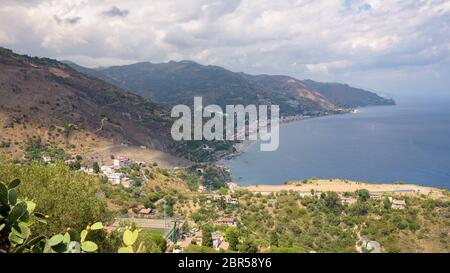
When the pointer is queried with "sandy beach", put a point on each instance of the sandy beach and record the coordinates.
(342, 186)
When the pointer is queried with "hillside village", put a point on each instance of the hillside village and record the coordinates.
(184, 219)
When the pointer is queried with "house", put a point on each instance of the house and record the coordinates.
(230, 200)
(145, 211)
(46, 159)
(107, 169)
(115, 178)
(201, 188)
(121, 162)
(185, 243)
(272, 201)
(397, 204)
(232, 186)
(263, 249)
(87, 170)
(349, 200)
(217, 240)
(198, 236)
(229, 221)
(376, 195)
(126, 183)
(224, 245)
(305, 193)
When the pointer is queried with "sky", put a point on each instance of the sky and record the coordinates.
(397, 48)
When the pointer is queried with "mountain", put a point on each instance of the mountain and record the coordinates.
(48, 100)
(344, 95)
(178, 82)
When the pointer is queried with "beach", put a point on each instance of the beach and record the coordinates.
(342, 186)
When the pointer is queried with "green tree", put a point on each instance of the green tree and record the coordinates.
(207, 236)
(96, 167)
(232, 237)
(69, 198)
(248, 246)
(273, 238)
(153, 243)
(386, 203)
(363, 195)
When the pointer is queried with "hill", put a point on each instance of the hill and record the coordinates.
(178, 82)
(47, 102)
(344, 95)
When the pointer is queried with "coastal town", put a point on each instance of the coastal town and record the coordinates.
(184, 232)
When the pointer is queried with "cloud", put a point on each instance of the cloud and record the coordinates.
(70, 21)
(115, 11)
(342, 40)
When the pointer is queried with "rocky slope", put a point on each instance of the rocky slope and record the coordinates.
(48, 100)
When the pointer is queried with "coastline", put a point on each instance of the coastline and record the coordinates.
(343, 186)
(241, 147)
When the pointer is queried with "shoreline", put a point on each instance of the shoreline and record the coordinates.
(343, 186)
(242, 147)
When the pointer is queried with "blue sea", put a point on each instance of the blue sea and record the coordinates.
(409, 142)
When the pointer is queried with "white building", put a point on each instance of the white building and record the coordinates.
(46, 159)
(115, 178)
(121, 162)
(87, 170)
(107, 169)
(397, 204)
(232, 186)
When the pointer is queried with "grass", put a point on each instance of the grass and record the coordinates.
(161, 232)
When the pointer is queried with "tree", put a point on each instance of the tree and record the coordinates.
(153, 243)
(207, 236)
(232, 237)
(67, 197)
(273, 238)
(363, 195)
(248, 246)
(359, 208)
(96, 167)
(386, 203)
(332, 201)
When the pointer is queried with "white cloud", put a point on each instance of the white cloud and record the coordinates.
(330, 39)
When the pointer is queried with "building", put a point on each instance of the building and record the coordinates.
(126, 183)
(217, 240)
(224, 245)
(121, 162)
(201, 188)
(230, 200)
(229, 221)
(145, 211)
(397, 204)
(87, 170)
(107, 169)
(115, 178)
(349, 200)
(46, 159)
(232, 186)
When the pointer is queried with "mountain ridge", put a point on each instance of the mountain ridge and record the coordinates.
(177, 82)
